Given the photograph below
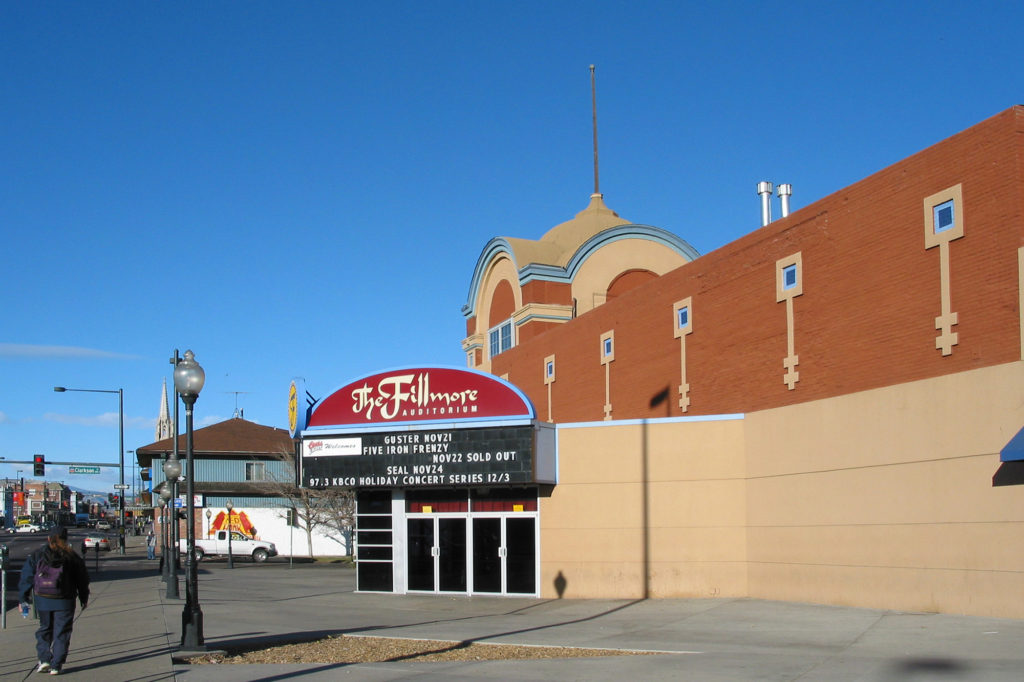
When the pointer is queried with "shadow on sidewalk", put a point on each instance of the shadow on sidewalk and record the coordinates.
(254, 641)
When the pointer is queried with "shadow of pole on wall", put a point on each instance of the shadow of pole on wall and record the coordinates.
(656, 400)
(560, 583)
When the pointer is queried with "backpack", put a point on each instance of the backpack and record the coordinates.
(50, 581)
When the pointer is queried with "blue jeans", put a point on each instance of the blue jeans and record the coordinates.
(54, 636)
(151, 551)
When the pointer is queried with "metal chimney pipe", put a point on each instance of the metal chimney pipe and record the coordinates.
(785, 190)
(764, 189)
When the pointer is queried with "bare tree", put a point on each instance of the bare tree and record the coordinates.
(332, 511)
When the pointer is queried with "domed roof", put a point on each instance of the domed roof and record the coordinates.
(569, 236)
(563, 249)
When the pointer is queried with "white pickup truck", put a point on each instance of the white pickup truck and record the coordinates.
(241, 545)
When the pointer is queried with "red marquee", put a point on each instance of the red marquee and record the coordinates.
(421, 394)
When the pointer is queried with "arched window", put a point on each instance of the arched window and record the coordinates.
(501, 336)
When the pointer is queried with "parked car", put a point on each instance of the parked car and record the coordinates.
(241, 545)
(97, 541)
(103, 524)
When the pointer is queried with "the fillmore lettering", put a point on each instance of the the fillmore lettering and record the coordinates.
(406, 395)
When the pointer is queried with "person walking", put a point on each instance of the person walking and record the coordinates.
(53, 577)
(151, 545)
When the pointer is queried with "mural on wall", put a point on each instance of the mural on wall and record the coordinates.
(239, 522)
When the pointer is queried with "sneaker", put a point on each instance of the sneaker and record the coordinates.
(43, 667)
(55, 671)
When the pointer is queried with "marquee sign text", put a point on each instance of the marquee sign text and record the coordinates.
(449, 457)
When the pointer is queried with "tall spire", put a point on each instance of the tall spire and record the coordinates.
(593, 107)
(163, 423)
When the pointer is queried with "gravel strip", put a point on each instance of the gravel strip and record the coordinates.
(346, 649)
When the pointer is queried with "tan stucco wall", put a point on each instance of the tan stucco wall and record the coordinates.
(590, 285)
(499, 270)
(884, 498)
(879, 499)
(592, 525)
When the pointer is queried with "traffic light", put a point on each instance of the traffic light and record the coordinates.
(39, 465)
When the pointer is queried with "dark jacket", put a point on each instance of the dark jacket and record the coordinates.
(77, 580)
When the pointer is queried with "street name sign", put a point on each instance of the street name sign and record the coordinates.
(83, 470)
(121, 486)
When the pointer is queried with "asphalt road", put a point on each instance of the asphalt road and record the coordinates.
(20, 545)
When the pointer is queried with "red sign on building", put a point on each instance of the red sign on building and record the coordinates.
(421, 394)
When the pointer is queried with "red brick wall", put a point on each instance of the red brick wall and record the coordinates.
(628, 280)
(503, 303)
(865, 319)
(539, 291)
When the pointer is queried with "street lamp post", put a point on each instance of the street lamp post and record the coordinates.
(174, 360)
(188, 381)
(120, 453)
(172, 469)
(231, 526)
(162, 503)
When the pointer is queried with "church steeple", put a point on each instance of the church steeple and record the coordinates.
(164, 426)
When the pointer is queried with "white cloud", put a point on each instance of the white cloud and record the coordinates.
(4, 419)
(105, 419)
(25, 350)
(140, 423)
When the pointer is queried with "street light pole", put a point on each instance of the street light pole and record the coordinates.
(172, 469)
(188, 381)
(231, 526)
(120, 452)
(120, 455)
(176, 535)
(162, 505)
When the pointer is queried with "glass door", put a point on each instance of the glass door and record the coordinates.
(504, 555)
(487, 555)
(451, 554)
(521, 555)
(421, 554)
(437, 554)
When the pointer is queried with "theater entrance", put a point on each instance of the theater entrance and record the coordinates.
(475, 542)
(469, 554)
(450, 541)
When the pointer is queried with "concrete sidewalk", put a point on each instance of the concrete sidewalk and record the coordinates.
(121, 636)
(131, 631)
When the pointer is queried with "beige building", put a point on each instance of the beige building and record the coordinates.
(824, 410)
(814, 412)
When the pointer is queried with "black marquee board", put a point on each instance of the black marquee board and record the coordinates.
(444, 457)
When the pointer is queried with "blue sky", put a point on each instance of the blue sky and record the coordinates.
(302, 189)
